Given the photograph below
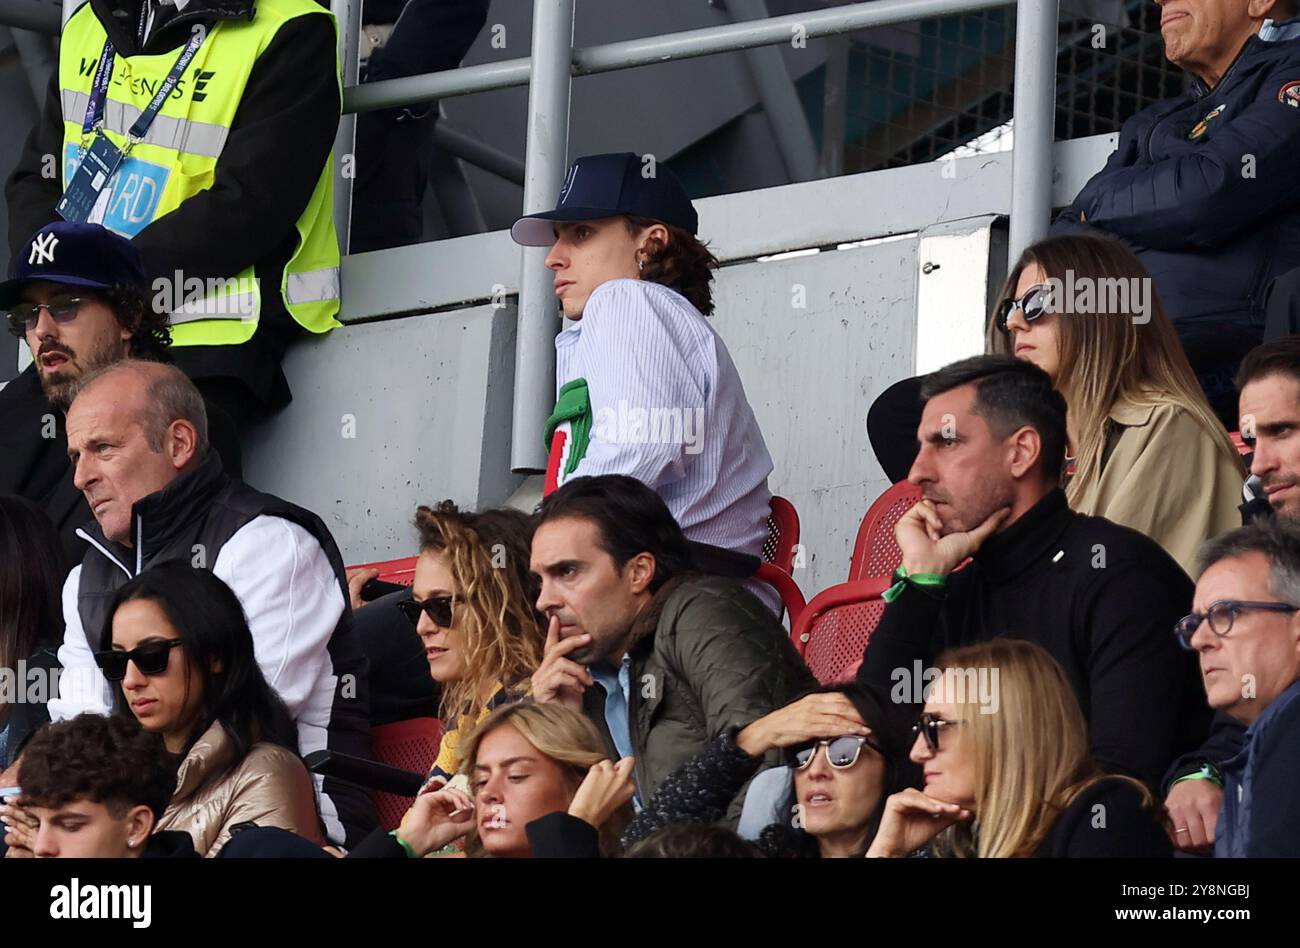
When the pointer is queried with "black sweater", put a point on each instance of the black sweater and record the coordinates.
(1107, 821)
(1101, 598)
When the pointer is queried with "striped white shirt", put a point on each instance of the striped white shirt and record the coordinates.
(668, 408)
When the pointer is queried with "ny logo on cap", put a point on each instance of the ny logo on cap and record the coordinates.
(43, 249)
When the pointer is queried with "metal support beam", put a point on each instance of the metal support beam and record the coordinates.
(478, 153)
(39, 17)
(609, 57)
(36, 53)
(348, 14)
(545, 161)
(785, 115)
(1035, 111)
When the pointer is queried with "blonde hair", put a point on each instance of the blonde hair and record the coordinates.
(501, 632)
(565, 736)
(1108, 358)
(1031, 756)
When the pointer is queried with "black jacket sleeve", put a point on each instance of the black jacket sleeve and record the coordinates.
(35, 185)
(699, 791)
(561, 836)
(1204, 198)
(1275, 790)
(378, 845)
(1109, 821)
(1226, 738)
(280, 138)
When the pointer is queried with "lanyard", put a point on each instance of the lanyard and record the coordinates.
(99, 90)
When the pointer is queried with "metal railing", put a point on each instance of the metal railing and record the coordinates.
(549, 72)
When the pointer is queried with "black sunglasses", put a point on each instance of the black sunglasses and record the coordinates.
(1032, 305)
(438, 609)
(151, 658)
(1220, 617)
(24, 317)
(931, 725)
(841, 752)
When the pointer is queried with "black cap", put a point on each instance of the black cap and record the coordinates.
(608, 185)
(74, 254)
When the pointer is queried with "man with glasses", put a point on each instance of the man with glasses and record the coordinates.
(1269, 382)
(76, 295)
(1099, 597)
(1245, 630)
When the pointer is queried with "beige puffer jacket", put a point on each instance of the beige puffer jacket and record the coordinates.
(269, 787)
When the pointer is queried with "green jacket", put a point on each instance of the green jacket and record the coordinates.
(706, 655)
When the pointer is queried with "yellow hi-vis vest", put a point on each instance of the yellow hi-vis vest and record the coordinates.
(178, 157)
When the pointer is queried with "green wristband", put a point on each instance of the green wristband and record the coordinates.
(1207, 772)
(933, 580)
(406, 847)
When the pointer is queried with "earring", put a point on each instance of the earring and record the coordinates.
(131, 843)
(640, 263)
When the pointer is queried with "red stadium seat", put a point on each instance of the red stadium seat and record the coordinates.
(393, 571)
(408, 745)
(832, 631)
(876, 552)
(782, 534)
(1243, 448)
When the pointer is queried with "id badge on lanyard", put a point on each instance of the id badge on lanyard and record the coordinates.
(86, 198)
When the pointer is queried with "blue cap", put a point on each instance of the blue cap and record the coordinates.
(74, 254)
(608, 185)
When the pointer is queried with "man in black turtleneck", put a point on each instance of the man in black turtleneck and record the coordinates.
(1102, 598)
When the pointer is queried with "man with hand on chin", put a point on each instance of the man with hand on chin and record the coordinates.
(1099, 597)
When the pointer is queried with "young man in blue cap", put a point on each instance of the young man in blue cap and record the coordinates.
(77, 296)
(645, 385)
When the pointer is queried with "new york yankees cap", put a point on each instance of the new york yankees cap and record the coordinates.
(76, 255)
(608, 185)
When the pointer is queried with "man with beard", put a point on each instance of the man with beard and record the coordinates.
(1102, 598)
(77, 295)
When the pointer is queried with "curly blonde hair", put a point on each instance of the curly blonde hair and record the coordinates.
(501, 631)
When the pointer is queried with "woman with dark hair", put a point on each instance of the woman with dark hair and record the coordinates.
(178, 643)
(31, 621)
(847, 747)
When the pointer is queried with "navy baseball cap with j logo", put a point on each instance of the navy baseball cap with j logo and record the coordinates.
(600, 186)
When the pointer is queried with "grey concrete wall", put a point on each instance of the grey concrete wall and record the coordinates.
(390, 415)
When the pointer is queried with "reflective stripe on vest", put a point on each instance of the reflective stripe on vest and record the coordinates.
(177, 159)
(196, 138)
(315, 287)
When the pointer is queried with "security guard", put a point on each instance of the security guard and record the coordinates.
(202, 130)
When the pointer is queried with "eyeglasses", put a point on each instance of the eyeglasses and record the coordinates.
(1032, 305)
(1220, 617)
(151, 658)
(841, 752)
(930, 727)
(24, 317)
(438, 609)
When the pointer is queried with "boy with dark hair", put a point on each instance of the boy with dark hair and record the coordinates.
(644, 385)
(96, 787)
